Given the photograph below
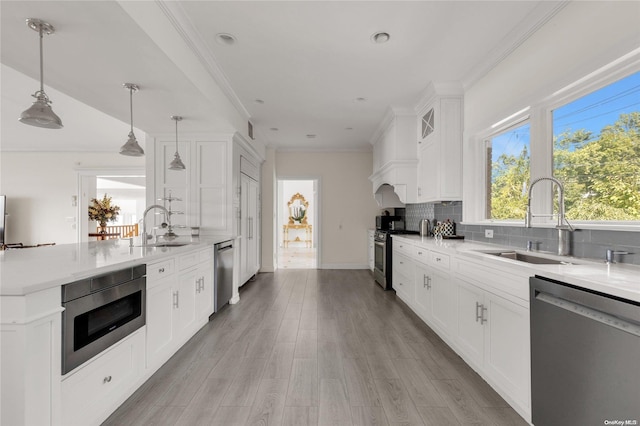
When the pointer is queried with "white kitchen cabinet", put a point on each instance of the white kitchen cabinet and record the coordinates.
(249, 227)
(440, 123)
(179, 302)
(493, 335)
(92, 392)
(403, 277)
(435, 294)
(203, 189)
(371, 248)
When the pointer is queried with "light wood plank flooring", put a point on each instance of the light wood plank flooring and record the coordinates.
(315, 347)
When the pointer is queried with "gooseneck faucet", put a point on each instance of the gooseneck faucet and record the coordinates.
(563, 227)
(145, 236)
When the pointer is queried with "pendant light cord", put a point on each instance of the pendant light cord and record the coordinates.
(41, 61)
(177, 135)
(131, 106)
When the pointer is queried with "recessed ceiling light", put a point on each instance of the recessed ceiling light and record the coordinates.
(361, 99)
(348, 128)
(259, 101)
(274, 129)
(226, 39)
(311, 136)
(380, 37)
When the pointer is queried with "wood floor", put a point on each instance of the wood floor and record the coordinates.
(315, 347)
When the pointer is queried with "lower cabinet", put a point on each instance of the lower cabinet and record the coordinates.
(178, 304)
(435, 297)
(403, 281)
(493, 334)
(92, 392)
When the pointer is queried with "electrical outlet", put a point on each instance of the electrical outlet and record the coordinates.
(488, 233)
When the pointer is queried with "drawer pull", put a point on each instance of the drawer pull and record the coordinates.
(438, 259)
(161, 270)
(106, 379)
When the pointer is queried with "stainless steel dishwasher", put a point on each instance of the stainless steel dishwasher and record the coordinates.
(223, 266)
(585, 356)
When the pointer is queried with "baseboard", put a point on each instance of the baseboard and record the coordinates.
(344, 266)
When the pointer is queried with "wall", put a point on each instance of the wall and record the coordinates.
(39, 187)
(580, 39)
(268, 216)
(347, 207)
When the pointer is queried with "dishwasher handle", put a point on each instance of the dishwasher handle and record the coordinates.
(592, 314)
(221, 248)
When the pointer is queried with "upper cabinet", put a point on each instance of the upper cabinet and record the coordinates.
(439, 150)
(204, 198)
(394, 155)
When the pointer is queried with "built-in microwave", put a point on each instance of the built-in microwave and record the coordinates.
(385, 223)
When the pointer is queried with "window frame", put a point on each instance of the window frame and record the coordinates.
(540, 117)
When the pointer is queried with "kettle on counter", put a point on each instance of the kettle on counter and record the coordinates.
(425, 227)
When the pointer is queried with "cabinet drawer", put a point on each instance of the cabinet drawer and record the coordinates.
(205, 255)
(401, 264)
(95, 390)
(188, 260)
(440, 260)
(421, 254)
(159, 270)
(403, 247)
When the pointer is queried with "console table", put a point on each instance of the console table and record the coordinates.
(307, 228)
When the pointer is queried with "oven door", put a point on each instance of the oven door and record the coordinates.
(379, 263)
(92, 323)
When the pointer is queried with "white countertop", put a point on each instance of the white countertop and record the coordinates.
(614, 279)
(24, 271)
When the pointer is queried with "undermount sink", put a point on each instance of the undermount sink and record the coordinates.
(528, 258)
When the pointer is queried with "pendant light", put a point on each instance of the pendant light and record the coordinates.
(40, 113)
(177, 163)
(131, 147)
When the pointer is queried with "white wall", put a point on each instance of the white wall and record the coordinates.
(580, 39)
(347, 206)
(39, 187)
(268, 216)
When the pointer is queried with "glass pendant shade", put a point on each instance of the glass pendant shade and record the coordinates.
(177, 163)
(131, 148)
(40, 113)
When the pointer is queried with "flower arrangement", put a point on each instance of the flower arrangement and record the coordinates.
(103, 211)
(298, 213)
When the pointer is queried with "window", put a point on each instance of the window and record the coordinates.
(596, 153)
(507, 156)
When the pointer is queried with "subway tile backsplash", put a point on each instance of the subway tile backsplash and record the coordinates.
(591, 244)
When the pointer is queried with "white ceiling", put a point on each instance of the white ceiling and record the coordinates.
(307, 60)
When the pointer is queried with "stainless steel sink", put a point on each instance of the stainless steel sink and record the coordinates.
(528, 258)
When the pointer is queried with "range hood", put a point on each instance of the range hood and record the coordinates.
(386, 197)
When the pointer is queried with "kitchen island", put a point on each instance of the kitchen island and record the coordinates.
(34, 391)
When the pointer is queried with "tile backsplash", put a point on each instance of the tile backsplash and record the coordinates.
(585, 243)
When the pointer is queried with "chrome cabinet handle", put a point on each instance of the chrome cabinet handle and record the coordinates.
(106, 379)
(482, 318)
(161, 270)
(426, 281)
(176, 301)
(438, 259)
(478, 312)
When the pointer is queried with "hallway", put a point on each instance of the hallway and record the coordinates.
(315, 347)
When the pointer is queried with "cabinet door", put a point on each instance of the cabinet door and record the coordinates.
(506, 352)
(210, 186)
(423, 285)
(186, 303)
(443, 301)
(174, 182)
(160, 313)
(470, 334)
(403, 276)
(253, 202)
(428, 165)
(204, 292)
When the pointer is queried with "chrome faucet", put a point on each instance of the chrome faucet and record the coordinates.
(145, 236)
(563, 227)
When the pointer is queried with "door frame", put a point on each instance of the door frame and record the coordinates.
(317, 226)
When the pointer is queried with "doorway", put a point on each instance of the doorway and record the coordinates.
(297, 223)
(126, 187)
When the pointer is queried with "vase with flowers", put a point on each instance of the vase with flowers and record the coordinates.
(102, 211)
